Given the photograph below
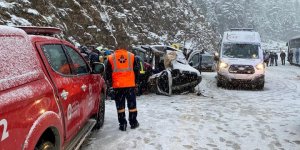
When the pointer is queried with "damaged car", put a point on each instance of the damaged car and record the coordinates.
(202, 61)
(171, 72)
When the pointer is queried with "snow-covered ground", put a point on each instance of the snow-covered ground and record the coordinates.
(222, 119)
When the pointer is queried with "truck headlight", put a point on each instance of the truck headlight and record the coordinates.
(223, 65)
(260, 66)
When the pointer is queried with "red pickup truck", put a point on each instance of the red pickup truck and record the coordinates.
(50, 98)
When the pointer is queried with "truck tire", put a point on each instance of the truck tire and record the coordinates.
(101, 113)
(45, 145)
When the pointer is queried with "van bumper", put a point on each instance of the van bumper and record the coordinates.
(258, 79)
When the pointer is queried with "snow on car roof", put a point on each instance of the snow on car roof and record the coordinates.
(18, 62)
(6, 30)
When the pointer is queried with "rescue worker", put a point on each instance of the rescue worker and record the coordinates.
(142, 76)
(121, 72)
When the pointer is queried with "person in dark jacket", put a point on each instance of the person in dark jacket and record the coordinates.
(272, 58)
(89, 55)
(282, 56)
(122, 73)
(143, 76)
(276, 58)
(267, 58)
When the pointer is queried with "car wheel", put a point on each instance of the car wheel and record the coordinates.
(162, 84)
(45, 145)
(101, 113)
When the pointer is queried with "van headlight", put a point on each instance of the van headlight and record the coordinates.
(260, 66)
(223, 65)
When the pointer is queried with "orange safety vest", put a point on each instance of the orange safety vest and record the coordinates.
(122, 69)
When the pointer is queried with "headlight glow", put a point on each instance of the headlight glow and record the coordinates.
(260, 66)
(223, 65)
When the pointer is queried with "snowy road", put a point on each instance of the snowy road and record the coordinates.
(226, 119)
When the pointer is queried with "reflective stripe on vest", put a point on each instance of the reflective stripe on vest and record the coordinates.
(129, 68)
(122, 69)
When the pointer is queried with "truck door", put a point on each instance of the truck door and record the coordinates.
(90, 83)
(68, 85)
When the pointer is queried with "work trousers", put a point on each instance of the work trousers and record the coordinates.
(283, 60)
(120, 95)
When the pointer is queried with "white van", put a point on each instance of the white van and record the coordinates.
(240, 59)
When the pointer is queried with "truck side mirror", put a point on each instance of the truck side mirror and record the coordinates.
(287, 44)
(216, 56)
(191, 63)
(98, 68)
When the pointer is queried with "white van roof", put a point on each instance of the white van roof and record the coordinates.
(241, 36)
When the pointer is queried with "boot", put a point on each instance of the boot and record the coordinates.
(132, 120)
(122, 127)
(122, 121)
(135, 125)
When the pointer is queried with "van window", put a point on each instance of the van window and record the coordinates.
(57, 58)
(80, 66)
(245, 51)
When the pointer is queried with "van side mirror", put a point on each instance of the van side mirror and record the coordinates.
(287, 44)
(191, 63)
(98, 68)
(216, 56)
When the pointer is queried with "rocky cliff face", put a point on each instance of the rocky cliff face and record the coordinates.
(109, 22)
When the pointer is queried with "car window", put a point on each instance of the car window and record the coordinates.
(80, 66)
(207, 59)
(195, 59)
(57, 58)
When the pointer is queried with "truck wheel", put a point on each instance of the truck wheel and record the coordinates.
(101, 113)
(45, 145)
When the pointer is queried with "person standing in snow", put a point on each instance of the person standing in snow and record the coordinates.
(272, 57)
(267, 58)
(276, 58)
(282, 56)
(121, 72)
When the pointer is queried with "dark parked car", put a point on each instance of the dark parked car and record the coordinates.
(170, 71)
(207, 61)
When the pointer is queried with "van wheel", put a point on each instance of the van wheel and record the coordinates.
(219, 83)
(260, 86)
(45, 145)
(101, 113)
